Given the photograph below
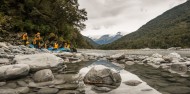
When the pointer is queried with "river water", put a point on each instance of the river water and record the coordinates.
(143, 88)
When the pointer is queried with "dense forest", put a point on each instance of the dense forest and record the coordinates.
(171, 29)
(56, 20)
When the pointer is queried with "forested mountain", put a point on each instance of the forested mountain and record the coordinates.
(171, 29)
(105, 39)
(56, 20)
(94, 44)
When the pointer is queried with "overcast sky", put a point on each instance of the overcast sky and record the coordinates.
(112, 16)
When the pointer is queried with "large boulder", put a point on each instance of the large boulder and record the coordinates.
(39, 61)
(178, 68)
(13, 71)
(174, 57)
(3, 44)
(103, 77)
(43, 75)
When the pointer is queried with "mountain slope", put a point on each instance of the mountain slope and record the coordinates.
(171, 29)
(91, 42)
(105, 39)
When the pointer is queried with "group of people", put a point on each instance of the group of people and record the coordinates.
(37, 42)
(66, 45)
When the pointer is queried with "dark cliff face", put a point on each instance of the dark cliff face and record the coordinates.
(171, 29)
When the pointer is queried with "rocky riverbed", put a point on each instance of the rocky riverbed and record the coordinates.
(25, 70)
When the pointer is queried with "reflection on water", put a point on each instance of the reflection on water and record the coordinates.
(143, 88)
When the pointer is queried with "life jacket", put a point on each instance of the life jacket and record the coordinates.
(68, 46)
(34, 41)
(56, 46)
(45, 46)
(25, 37)
(27, 42)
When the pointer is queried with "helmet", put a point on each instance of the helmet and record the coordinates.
(27, 42)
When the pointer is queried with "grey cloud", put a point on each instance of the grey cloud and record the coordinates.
(109, 13)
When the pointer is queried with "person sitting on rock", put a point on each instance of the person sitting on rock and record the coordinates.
(37, 40)
(65, 45)
(68, 45)
(56, 46)
(25, 38)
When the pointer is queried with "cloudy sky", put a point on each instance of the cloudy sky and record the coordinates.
(112, 16)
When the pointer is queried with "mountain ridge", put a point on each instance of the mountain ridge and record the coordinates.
(105, 39)
(170, 29)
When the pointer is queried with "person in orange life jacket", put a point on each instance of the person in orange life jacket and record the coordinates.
(25, 38)
(37, 40)
(56, 46)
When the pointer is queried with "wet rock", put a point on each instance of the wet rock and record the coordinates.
(69, 92)
(64, 54)
(148, 89)
(67, 86)
(102, 75)
(157, 55)
(8, 91)
(117, 56)
(22, 83)
(129, 63)
(101, 89)
(4, 61)
(119, 65)
(3, 44)
(2, 83)
(165, 66)
(49, 83)
(39, 61)
(167, 59)
(122, 57)
(129, 58)
(12, 85)
(13, 71)
(48, 91)
(175, 57)
(6, 50)
(132, 82)
(156, 61)
(4, 55)
(23, 90)
(2, 50)
(154, 65)
(43, 76)
(178, 68)
(187, 63)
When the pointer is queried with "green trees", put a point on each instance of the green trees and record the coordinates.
(62, 18)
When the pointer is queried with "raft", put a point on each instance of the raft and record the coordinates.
(53, 50)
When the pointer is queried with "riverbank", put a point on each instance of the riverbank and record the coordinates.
(32, 71)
